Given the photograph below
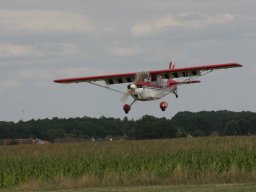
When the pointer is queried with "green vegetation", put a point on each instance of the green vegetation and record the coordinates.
(129, 163)
(248, 187)
(224, 123)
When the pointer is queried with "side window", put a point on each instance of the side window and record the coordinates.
(153, 78)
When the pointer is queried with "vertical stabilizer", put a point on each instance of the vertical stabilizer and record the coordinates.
(171, 65)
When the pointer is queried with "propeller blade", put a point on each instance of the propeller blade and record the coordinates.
(125, 96)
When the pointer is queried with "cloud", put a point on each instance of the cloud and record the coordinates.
(42, 21)
(124, 51)
(184, 20)
(48, 74)
(9, 50)
(56, 49)
(34, 74)
(42, 77)
(14, 51)
(78, 71)
(9, 83)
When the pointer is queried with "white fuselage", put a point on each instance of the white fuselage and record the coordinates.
(151, 93)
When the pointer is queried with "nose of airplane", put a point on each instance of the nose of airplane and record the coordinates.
(133, 86)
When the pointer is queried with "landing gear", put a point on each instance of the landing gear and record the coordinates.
(176, 94)
(163, 105)
(127, 107)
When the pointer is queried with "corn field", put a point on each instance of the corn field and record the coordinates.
(119, 163)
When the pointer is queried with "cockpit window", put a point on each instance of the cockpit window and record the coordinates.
(142, 77)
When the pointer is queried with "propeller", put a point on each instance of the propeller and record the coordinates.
(132, 87)
(125, 96)
(139, 77)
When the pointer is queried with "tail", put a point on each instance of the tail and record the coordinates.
(171, 65)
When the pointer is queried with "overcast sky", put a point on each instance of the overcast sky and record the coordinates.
(45, 40)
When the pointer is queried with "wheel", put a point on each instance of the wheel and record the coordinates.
(163, 105)
(126, 108)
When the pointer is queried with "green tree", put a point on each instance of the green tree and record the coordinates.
(231, 128)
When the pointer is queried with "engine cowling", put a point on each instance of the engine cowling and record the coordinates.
(163, 105)
(133, 86)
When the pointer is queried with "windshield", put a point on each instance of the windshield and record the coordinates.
(142, 77)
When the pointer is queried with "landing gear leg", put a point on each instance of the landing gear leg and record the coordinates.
(176, 94)
(127, 107)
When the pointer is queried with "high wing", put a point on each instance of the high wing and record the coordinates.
(192, 71)
(166, 74)
(109, 79)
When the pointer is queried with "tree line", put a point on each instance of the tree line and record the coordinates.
(183, 124)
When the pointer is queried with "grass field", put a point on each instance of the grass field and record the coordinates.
(249, 187)
(196, 161)
(189, 188)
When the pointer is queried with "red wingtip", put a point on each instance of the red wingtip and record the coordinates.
(56, 81)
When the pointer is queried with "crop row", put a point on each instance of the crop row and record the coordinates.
(206, 160)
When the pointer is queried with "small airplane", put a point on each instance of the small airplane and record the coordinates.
(151, 85)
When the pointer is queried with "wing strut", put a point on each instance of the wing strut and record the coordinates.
(106, 87)
(193, 78)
